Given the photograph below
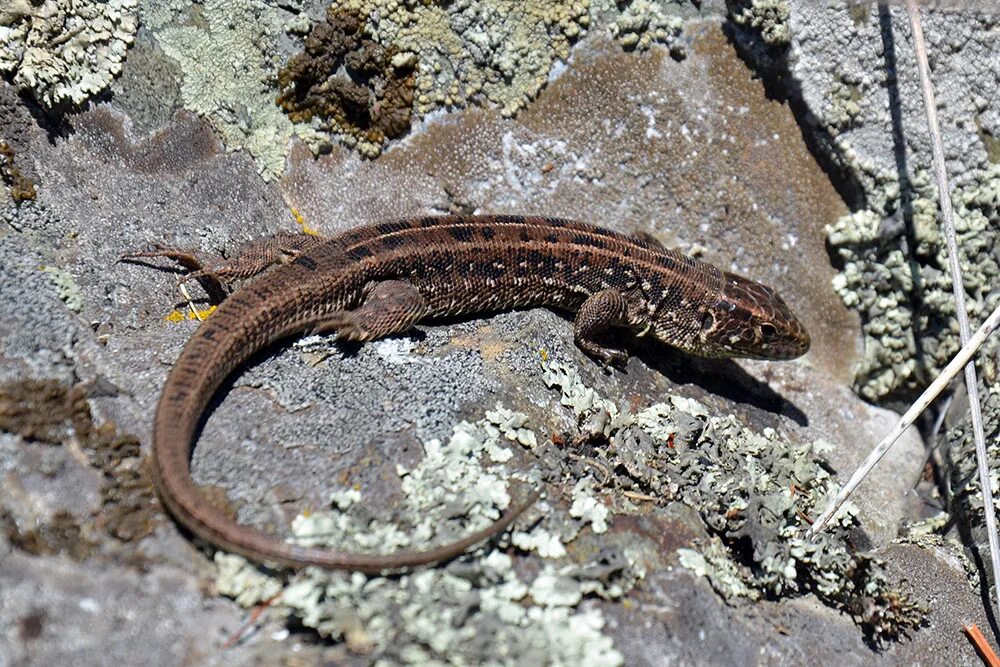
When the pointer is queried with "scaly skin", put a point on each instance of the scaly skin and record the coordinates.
(376, 280)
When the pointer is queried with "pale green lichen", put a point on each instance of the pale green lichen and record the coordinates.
(454, 614)
(715, 564)
(66, 287)
(228, 56)
(895, 274)
(501, 49)
(643, 23)
(587, 507)
(768, 17)
(753, 491)
(65, 51)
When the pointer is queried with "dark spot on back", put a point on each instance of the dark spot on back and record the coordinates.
(588, 240)
(552, 238)
(487, 232)
(489, 270)
(359, 252)
(524, 235)
(392, 242)
(390, 227)
(555, 222)
(429, 221)
(463, 234)
(306, 262)
(538, 257)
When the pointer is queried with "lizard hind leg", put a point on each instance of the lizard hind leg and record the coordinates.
(387, 307)
(251, 260)
(600, 312)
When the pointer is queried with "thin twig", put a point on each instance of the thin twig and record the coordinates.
(975, 635)
(940, 382)
(958, 286)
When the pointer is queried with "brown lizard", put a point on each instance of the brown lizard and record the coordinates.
(378, 280)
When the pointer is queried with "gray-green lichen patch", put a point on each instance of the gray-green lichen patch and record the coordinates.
(754, 491)
(895, 274)
(228, 54)
(459, 613)
(65, 51)
(66, 287)
(852, 72)
(473, 51)
(966, 491)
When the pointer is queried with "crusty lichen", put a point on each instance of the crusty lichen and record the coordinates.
(67, 289)
(896, 276)
(65, 51)
(768, 17)
(966, 491)
(228, 55)
(643, 23)
(417, 56)
(460, 485)
(754, 491)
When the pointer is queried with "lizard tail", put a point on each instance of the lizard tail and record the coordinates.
(240, 327)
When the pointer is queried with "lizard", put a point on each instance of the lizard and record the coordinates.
(377, 280)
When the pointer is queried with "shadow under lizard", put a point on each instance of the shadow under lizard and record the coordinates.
(377, 280)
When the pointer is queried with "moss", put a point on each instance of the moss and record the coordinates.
(20, 187)
(52, 413)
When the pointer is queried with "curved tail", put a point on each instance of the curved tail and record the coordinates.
(241, 326)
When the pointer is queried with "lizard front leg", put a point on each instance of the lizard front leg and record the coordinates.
(600, 312)
(387, 307)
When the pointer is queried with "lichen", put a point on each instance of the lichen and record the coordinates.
(228, 54)
(457, 613)
(417, 56)
(896, 276)
(768, 17)
(65, 51)
(643, 23)
(966, 491)
(754, 492)
(67, 289)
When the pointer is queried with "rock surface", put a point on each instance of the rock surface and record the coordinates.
(693, 151)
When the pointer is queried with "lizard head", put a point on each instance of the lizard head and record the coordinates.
(750, 320)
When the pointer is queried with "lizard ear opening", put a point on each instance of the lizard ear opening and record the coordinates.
(707, 322)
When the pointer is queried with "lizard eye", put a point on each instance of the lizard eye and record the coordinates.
(707, 322)
(767, 331)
